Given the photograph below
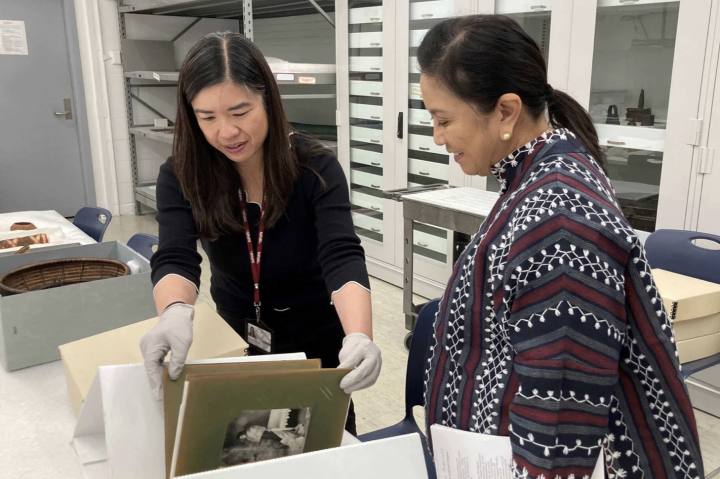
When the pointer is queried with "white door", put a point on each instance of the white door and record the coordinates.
(418, 160)
(366, 131)
(628, 91)
(549, 23)
(705, 171)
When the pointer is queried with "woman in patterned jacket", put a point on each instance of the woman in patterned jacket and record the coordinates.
(551, 330)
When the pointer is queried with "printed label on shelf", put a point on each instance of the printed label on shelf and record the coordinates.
(157, 77)
(307, 80)
(13, 40)
(416, 90)
(285, 77)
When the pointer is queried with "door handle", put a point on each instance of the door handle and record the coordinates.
(400, 125)
(67, 104)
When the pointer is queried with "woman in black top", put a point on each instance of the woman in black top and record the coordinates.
(236, 163)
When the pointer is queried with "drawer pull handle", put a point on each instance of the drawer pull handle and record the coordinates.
(376, 208)
(425, 173)
(628, 1)
(375, 19)
(374, 163)
(426, 123)
(541, 7)
(375, 230)
(374, 117)
(422, 148)
(423, 245)
(375, 141)
(611, 142)
(374, 186)
(374, 44)
(376, 93)
(375, 69)
(427, 15)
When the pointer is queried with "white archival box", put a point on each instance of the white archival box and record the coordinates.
(398, 457)
(120, 433)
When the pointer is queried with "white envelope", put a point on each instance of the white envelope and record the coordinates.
(399, 457)
(120, 433)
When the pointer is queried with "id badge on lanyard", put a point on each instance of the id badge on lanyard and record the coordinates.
(257, 333)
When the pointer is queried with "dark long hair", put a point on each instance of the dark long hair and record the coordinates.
(208, 179)
(482, 57)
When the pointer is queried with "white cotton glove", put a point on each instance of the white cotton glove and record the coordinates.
(361, 353)
(173, 333)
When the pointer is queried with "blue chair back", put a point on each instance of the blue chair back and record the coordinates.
(417, 359)
(143, 243)
(673, 250)
(93, 221)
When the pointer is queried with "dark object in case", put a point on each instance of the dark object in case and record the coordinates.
(640, 114)
(613, 118)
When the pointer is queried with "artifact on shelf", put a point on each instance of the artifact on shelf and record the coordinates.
(613, 117)
(640, 114)
(24, 241)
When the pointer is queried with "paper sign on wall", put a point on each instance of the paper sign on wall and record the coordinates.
(307, 80)
(13, 40)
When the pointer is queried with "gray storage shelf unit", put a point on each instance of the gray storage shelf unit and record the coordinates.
(146, 62)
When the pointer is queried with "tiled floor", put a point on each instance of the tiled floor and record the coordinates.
(383, 404)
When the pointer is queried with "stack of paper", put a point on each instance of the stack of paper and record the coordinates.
(693, 306)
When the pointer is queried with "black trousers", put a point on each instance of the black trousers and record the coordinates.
(313, 329)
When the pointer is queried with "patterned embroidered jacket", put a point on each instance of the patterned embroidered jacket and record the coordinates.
(551, 330)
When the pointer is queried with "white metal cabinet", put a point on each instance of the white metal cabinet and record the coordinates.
(365, 67)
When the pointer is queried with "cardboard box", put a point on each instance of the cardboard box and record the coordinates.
(33, 325)
(693, 306)
(212, 338)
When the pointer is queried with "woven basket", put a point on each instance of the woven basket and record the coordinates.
(22, 227)
(63, 272)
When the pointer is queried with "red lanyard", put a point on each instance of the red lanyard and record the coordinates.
(254, 260)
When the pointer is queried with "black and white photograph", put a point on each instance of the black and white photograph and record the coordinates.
(259, 338)
(261, 435)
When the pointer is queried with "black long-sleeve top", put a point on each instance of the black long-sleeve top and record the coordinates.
(311, 252)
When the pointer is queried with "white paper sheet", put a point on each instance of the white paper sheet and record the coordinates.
(468, 455)
(13, 40)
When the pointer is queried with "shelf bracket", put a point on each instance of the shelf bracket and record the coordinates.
(248, 20)
(322, 12)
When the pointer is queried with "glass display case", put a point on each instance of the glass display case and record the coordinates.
(629, 98)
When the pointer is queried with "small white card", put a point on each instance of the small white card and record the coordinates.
(468, 455)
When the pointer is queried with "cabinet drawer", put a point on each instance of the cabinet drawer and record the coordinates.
(366, 40)
(431, 242)
(414, 65)
(366, 112)
(425, 143)
(365, 157)
(430, 10)
(366, 64)
(416, 37)
(414, 92)
(419, 117)
(365, 15)
(363, 178)
(367, 135)
(366, 201)
(366, 88)
(367, 222)
(523, 6)
(429, 169)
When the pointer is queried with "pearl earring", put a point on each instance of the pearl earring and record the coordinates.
(506, 136)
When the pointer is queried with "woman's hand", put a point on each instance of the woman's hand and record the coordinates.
(173, 333)
(361, 353)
